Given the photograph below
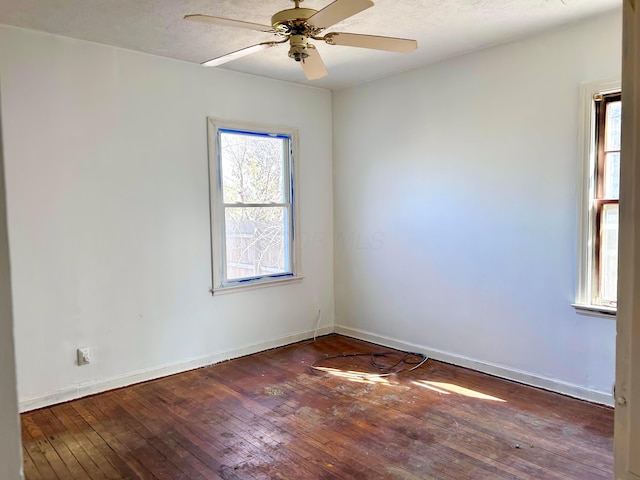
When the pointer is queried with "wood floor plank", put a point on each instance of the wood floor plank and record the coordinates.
(131, 439)
(300, 441)
(29, 467)
(29, 444)
(473, 438)
(190, 435)
(89, 456)
(80, 465)
(48, 451)
(122, 470)
(486, 420)
(252, 411)
(233, 430)
(563, 414)
(154, 431)
(353, 407)
(269, 416)
(584, 474)
(110, 432)
(311, 414)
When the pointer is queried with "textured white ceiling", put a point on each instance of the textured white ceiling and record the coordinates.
(443, 28)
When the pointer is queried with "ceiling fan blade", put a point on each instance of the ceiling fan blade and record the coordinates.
(313, 66)
(243, 52)
(337, 11)
(228, 22)
(390, 44)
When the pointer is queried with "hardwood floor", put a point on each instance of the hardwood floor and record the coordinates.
(268, 416)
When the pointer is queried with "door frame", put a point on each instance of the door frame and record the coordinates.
(627, 391)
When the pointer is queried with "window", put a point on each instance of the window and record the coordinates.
(252, 204)
(598, 275)
(608, 109)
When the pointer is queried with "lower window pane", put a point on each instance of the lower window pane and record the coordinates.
(609, 254)
(257, 242)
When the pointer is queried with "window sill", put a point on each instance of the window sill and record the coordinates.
(595, 310)
(272, 282)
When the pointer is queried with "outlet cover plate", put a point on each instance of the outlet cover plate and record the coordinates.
(84, 356)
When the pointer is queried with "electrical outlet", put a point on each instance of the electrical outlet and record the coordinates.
(84, 356)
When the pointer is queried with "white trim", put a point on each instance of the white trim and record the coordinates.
(586, 187)
(596, 310)
(269, 282)
(576, 391)
(102, 385)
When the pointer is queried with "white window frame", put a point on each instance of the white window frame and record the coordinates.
(587, 150)
(217, 207)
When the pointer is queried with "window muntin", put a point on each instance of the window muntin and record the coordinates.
(252, 204)
(608, 109)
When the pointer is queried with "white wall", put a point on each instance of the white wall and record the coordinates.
(455, 209)
(10, 459)
(106, 160)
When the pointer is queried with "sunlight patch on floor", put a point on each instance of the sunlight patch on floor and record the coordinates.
(355, 376)
(448, 388)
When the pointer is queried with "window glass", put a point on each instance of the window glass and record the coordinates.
(609, 254)
(614, 123)
(608, 111)
(612, 175)
(251, 204)
(255, 241)
(252, 168)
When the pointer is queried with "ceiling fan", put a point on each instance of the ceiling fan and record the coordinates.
(298, 25)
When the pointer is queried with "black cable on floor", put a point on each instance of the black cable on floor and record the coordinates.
(405, 362)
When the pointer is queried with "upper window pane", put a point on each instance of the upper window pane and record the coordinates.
(252, 167)
(613, 125)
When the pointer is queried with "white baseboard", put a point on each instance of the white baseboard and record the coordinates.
(576, 391)
(103, 385)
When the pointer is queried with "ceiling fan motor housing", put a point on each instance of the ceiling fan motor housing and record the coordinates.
(291, 17)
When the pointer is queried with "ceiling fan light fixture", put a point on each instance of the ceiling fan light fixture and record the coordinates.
(298, 50)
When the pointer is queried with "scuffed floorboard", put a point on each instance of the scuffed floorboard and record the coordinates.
(269, 416)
